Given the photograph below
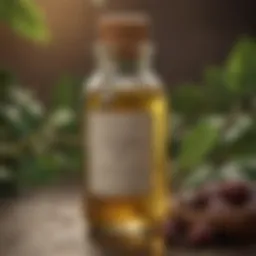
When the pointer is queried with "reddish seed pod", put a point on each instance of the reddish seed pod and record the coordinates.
(200, 235)
(235, 193)
(171, 232)
(216, 214)
(175, 230)
(199, 200)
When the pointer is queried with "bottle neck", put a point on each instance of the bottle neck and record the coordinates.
(126, 66)
(111, 62)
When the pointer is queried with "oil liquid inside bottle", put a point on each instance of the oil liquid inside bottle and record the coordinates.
(133, 219)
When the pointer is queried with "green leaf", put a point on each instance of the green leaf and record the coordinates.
(197, 144)
(6, 8)
(241, 67)
(249, 168)
(188, 100)
(65, 93)
(232, 171)
(245, 146)
(214, 76)
(74, 159)
(201, 175)
(27, 20)
(241, 124)
(219, 98)
(36, 171)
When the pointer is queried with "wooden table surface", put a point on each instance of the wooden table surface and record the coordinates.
(50, 223)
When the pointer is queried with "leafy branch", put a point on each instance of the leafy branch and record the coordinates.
(219, 121)
(25, 18)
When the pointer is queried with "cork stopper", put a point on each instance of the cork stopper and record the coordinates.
(124, 31)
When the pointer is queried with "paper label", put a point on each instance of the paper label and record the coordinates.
(119, 153)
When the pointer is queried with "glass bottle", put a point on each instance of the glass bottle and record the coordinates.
(125, 135)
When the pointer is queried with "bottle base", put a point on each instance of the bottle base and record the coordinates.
(123, 241)
(135, 234)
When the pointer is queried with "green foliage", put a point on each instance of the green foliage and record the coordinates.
(189, 99)
(63, 93)
(241, 66)
(196, 144)
(218, 97)
(219, 121)
(245, 146)
(25, 18)
(21, 115)
(42, 141)
(39, 170)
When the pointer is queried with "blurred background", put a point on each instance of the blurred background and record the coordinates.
(188, 35)
(206, 54)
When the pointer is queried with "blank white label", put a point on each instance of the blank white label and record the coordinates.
(119, 153)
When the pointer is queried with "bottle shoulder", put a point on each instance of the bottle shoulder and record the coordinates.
(99, 81)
